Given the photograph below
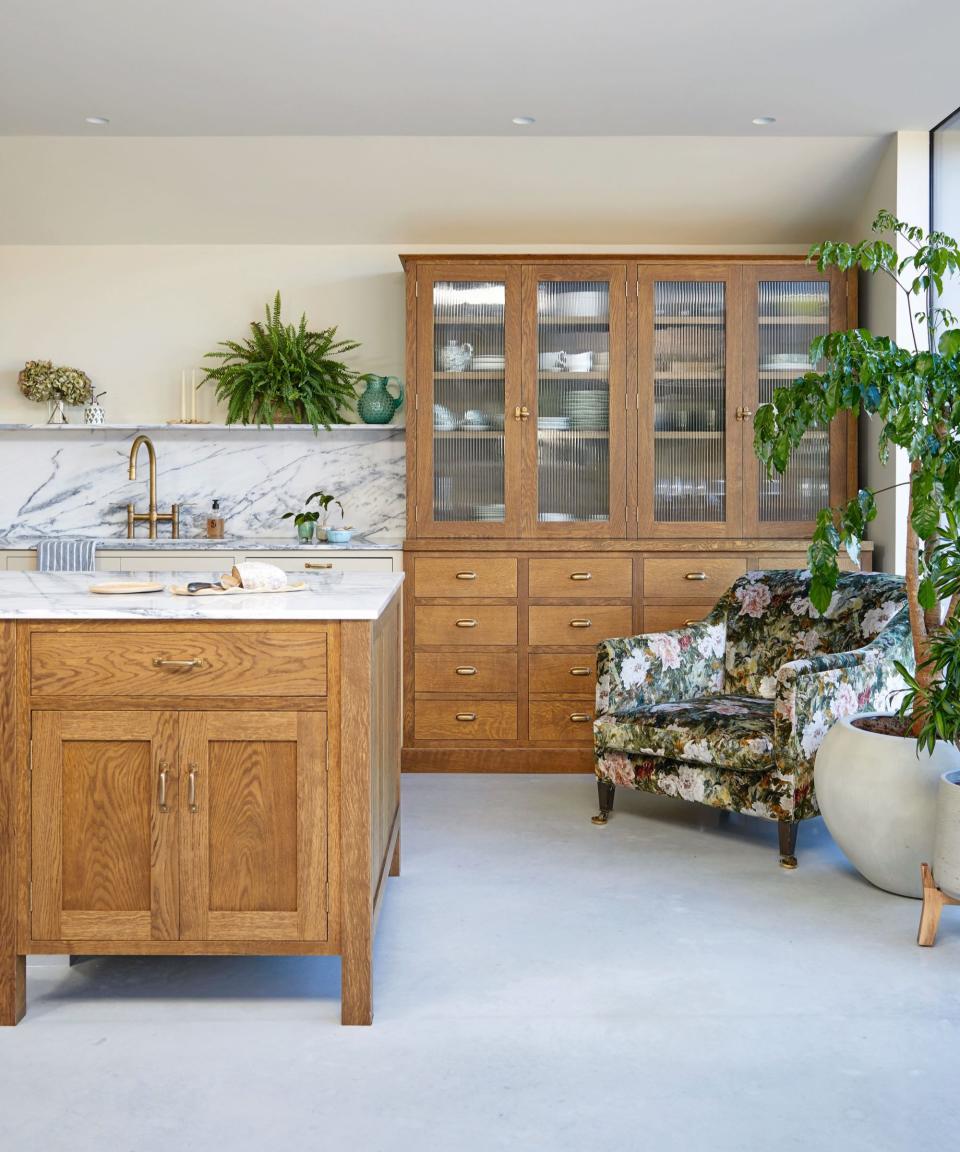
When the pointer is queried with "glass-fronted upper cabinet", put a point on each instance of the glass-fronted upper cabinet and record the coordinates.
(787, 308)
(688, 321)
(468, 351)
(574, 400)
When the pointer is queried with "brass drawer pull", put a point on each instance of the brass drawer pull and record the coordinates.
(327, 564)
(466, 717)
(695, 576)
(195, 662)
(192, 789)
(579, 717)
(581, 623)
(687, 623)
(466, 575)
(466, 623)
(581, 575)
(162, 788)
(580, 671)
(467, 670)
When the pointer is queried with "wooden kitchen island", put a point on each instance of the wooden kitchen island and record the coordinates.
(197, 775)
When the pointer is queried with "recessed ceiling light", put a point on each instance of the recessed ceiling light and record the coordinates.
(523, 121)
(97, 120)
(764, 120)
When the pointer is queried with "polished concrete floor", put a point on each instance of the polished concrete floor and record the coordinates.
(659, 984)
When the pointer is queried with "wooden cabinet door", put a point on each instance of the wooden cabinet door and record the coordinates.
(253, 818)
(689, 338)
(468, 400)
(785, 307)
(574, 432)
(104, 826)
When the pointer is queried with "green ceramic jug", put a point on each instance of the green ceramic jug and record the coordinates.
(376, 405)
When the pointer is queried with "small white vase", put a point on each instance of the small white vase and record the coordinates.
(58, 414)
(946, 851)
(878, 797)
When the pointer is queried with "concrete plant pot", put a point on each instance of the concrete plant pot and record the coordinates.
(946, 851)
(878, 796)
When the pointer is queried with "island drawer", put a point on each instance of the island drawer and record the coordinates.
(466, 576)
(563, 721)
(563, 673)
(574, 625)
(579, 577)
(179, 661)
(465, 625)
(321, 563)
(469, 672)
(465, 719)
(694, 577)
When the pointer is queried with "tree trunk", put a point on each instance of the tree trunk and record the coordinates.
(918, 623)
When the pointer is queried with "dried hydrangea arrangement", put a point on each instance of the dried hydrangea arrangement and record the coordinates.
(40, 380)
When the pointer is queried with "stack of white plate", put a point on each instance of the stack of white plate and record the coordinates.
(491, 511)
(553, 423)
(589, 409)
(555, 517)
(489, 363)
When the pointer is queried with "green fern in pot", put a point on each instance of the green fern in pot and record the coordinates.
(284, 372)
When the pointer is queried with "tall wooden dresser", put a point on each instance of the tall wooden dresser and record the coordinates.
(580, 465)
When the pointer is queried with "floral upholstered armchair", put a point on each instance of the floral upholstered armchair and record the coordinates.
(730, 711)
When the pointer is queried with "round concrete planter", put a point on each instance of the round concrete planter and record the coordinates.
(878, 797)
(946, 851)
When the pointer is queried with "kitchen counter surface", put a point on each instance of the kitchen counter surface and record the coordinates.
(66, 596)
(203, 544)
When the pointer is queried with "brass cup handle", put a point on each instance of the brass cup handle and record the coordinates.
(466, 717)
(579, 717)
(194, 662)
(581, 575)
(467, 670)
(581, 623)
(695, 576)
(580, 671)
(466, 575)
(308, 564)
(688, 623)
(466, 623)
(162, 788)
(192, 789)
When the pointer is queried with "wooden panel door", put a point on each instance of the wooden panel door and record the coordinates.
(253, 819)
(689, 335)
(785, 307)
(104, 826)
(574, 400)
(468, 391)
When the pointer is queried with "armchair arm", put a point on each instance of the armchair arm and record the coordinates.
(659, 667)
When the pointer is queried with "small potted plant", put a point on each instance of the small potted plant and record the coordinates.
(306, 520)
(284, 372)
(39, 380)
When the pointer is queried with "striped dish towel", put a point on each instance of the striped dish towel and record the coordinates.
(66, 554)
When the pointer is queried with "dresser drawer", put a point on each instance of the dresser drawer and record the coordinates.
(665, 617)
(577, 625)
(470, 576)
(605, 577)
(465, 625)
(469, 672)
(563, 673)
(561, 721)
(464, 719)
(694, 577)
(267, 661)
(799, 560)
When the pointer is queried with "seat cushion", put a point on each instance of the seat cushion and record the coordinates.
(729, 731)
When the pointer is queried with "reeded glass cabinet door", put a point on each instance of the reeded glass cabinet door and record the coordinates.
(574, 400)
(689, 321)
(786, 308)
(468, 391)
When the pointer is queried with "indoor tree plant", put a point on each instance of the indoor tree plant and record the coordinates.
(876, 778)
(284, 371)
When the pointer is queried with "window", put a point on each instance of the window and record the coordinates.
(945, 191)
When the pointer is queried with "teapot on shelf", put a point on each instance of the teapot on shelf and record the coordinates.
(456, 357)
(376, 405)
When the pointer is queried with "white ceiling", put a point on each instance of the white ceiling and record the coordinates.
(445, 67)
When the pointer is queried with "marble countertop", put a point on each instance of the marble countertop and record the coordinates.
(66, 596)
(203, 544)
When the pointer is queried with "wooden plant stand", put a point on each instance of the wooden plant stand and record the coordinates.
(933, 901)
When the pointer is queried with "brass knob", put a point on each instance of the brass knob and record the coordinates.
(581, 623)
(467, 670)
(579, 717)
(466, 623)
(581, 575)
(327, 564)
(466, 717)
(695, 576)
(580, 671)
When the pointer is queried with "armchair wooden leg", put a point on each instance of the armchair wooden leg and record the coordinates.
(607, 791)
(933, 902)
(788, 843)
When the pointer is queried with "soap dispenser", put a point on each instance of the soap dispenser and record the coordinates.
(215, 523)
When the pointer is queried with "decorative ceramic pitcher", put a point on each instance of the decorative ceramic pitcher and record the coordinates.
(456, 357)
(376, 405)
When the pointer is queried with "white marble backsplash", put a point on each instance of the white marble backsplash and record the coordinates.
(61, 482)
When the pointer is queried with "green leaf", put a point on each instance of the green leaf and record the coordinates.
(949, 342)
